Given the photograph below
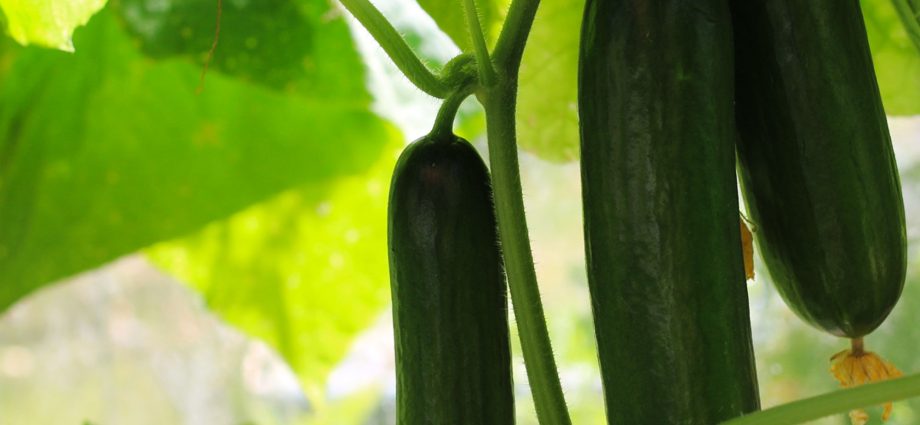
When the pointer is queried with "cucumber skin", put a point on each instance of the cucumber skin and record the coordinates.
(453, 358)
(817, 168)
(665, 266)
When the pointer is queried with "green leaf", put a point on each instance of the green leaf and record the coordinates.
(287, 45)
(304, 271)
(897, 61)
(106, 151)
(48, 23)
(547, 117)
(451, 18)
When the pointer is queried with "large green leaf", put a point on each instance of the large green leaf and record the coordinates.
(304, 271)
(547, 118)
(48, 23)
(451, 18)
(287, 45)
(106, 151)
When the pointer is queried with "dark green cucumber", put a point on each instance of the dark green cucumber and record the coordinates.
(816, 164)
(665, 266)
(453, 361)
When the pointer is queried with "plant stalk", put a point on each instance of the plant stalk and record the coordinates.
(396, 48)
(911, 20)
(836, 402)
(486, 72)
(499, 103)
(509, 49)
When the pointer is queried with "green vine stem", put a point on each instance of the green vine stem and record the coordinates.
(515, 242)
(910, 18)
(486, 72)
(499, 101)
(395, 46)
(836, 402)
(511, 41)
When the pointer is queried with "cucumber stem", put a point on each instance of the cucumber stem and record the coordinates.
(444, 122)
(856, 346)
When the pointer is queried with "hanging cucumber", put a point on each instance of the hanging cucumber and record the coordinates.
(818, 172)
(453, 362)
(665, 266)
(816, 164)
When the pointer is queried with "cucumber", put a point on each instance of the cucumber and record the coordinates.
(453, 361)
(817, 169)
(665, 266)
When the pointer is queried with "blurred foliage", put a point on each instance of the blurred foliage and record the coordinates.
(110, 149)
(291, 46)
(303, 272)
(897, 61)
(909, 12)
(451, 17)
(353, 410)
(126, 344)
(547, 114)
(105, 151)
(47, 23)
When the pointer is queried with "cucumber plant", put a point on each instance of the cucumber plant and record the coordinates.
(667, 261)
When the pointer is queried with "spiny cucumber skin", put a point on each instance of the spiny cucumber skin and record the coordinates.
(816, 163)
(453, 361)
(665, 265)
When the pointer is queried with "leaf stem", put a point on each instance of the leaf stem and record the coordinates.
(486, 72)
(499, 101)
(510, 45)
(911, 20)
(836, 402)
(396, 48)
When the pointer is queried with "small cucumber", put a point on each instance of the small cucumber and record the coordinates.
(453, 361)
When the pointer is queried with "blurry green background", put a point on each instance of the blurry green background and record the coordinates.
(168, 257)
